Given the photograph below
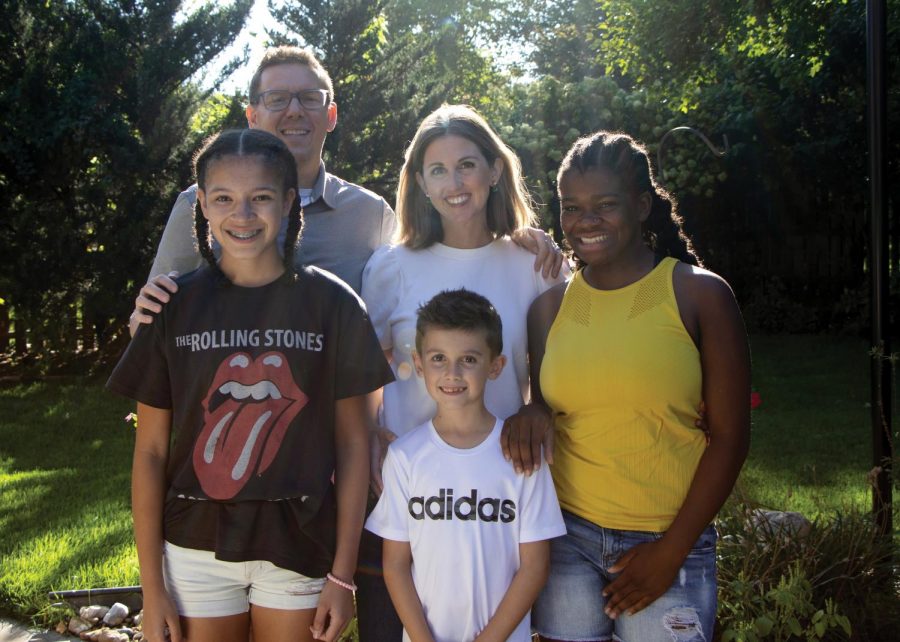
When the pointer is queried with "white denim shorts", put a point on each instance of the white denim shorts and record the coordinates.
(202, 586)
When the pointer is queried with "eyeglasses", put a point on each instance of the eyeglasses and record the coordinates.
(279, 99)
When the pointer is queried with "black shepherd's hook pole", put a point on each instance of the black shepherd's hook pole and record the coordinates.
(882, 384)
(715, 150)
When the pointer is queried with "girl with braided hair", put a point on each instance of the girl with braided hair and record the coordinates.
(620, 359)
(235, 146)
(251, 392)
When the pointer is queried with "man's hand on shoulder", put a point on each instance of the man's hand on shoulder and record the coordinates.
(150, 300)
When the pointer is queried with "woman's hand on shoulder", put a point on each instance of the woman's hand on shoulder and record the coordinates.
(151, 299)
(548, 255)
(524, 434)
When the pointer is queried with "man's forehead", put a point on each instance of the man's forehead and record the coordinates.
(290, 76)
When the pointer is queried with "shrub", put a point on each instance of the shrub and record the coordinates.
(783, 612)
(772, 307)
(776, 585)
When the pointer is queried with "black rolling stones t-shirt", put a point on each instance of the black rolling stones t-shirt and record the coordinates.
(252, 376)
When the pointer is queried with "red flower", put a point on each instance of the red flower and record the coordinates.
(755, 400)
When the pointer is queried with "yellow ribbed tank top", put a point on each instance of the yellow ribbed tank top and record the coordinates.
(623, 378)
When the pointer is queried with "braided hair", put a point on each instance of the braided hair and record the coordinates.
(272, 151)
(625, 157)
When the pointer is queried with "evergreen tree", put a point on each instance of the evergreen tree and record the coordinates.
(392, 62)
(97, 101)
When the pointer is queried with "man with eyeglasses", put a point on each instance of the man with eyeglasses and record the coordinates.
(292, 97)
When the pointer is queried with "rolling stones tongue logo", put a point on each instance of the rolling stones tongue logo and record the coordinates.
(247, 411)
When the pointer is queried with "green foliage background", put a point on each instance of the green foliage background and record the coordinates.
(102, 110)
(97, 104)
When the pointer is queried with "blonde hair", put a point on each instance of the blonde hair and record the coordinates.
(509, 208)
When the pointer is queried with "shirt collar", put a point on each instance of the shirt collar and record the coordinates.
(325, 187)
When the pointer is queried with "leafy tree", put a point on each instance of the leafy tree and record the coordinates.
(98, 102)
(392, 62)
(784, 211)
(785, 80)
(566, 38)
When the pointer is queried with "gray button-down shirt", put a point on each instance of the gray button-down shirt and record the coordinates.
(342, 226)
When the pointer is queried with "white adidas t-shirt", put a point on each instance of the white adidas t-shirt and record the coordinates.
(464, 513)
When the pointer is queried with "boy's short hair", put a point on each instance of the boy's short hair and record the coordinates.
(286, 55)
(461, 310)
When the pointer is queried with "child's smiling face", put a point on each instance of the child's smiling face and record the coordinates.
(456, 364)
(244, 201)
(601, 215)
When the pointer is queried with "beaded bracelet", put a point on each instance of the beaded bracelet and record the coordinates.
(350, 586)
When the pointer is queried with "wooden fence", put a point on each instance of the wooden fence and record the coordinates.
(74, 333)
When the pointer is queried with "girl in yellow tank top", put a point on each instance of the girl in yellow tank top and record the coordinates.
(624, 354)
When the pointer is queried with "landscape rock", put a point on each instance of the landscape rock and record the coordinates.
(93, 613)
(109, 635)
(786, 523)
(79, 625)
(117, 625)
(91, 636)
(116, 614)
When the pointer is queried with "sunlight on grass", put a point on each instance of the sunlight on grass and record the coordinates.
(65, 523)
(101, 554)
(57, 411)
(848, 494)
(811, 441)
(20, 491)
(92, 548)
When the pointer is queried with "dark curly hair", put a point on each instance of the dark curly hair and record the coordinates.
(625, 157)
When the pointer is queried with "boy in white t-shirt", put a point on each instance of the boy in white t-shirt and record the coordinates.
(466, 548)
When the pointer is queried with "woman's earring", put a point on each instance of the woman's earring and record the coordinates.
(494, 188)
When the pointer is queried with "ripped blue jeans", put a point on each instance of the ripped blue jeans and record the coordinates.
(571, 605)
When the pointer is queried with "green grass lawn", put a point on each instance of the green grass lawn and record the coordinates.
(811, 443)
(65, 457)
(65, 474)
